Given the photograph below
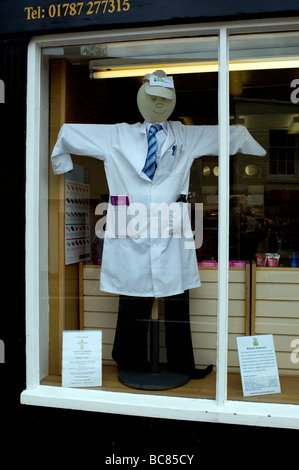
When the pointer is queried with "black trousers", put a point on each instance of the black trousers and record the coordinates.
(130, 344)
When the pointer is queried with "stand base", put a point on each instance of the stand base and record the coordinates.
(163, 379)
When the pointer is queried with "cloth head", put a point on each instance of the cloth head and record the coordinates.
(156, 97)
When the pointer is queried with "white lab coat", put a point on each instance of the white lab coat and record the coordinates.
(139, 265)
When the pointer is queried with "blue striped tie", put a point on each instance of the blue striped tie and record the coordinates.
(150, 162)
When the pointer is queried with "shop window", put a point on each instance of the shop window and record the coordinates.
(94, 95)
(267, 192)
(249, 209)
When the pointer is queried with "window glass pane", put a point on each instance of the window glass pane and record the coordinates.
(266, 190)
(76, 213)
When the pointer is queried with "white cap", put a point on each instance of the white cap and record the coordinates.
(159, 84)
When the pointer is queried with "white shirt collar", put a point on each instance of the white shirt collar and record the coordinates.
(163, 124)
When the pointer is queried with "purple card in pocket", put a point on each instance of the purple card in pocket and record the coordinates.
(120, 200)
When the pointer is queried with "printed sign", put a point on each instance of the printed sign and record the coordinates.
(42, 16)
(258, 365)
(82, 358)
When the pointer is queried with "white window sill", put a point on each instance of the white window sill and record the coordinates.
(188, 409)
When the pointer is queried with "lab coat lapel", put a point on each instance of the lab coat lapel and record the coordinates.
(165, 166)
(170, 140)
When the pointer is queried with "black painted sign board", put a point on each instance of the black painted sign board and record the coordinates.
(45, 16)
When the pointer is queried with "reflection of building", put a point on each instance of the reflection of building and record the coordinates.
(269, 215)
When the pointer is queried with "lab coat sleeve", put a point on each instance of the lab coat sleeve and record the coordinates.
(93, 140)
(204, 141)
(242, 141)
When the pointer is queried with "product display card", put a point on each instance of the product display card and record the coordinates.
(82, 358)
(258, 365)
(77, 222)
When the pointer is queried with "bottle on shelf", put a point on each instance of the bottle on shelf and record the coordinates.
(293, 261)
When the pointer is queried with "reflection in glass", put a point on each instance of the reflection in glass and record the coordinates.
(264, 220)
(251, 170)
(206, 171)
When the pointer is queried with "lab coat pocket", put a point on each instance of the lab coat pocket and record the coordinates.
(117, 217)
(179, 220)
(166, 162)
(126, 221)
(179, 166)
(118, 222)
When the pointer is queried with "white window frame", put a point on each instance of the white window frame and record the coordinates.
(219, 409)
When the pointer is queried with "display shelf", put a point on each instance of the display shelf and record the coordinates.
(261, 301)
(99, 310)
(274, 310)
(204, 388)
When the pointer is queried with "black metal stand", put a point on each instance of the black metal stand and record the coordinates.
(158, 377)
